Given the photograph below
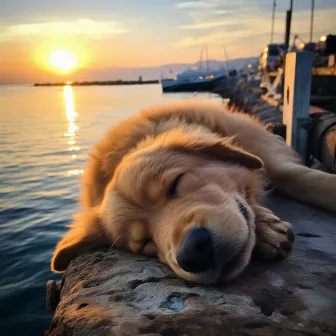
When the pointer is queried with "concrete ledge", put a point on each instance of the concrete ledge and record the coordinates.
(109, 292)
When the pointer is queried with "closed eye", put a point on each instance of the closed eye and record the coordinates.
(172, 190)
(243, 210)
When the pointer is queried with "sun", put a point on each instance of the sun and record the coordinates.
(63, 60)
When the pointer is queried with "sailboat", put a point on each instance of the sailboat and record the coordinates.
(197, 79)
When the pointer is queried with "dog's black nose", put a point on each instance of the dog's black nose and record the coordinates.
(196, 253)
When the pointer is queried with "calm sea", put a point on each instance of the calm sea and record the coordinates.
(45, 136)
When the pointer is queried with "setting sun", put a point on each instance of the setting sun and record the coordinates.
(63, 60)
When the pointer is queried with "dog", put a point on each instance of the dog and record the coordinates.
(184, 182)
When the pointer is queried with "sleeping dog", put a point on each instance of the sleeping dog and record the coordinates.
(184, 182)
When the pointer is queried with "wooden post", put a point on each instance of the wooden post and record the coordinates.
(298, 75)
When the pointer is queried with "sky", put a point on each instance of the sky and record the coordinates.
(102, 34)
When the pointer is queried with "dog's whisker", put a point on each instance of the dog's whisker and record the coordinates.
(116, 240)
(244, 193)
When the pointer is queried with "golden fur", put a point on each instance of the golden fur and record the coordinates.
(224, 158)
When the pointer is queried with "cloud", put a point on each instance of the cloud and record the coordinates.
(244, 31)
(202, 40)
(195, 5)
(220, 12)
(83, 27)
(206, 25)
(253, 32)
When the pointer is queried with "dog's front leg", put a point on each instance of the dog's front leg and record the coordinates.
(274, 238)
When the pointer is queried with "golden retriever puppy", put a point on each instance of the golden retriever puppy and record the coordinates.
(184, 182)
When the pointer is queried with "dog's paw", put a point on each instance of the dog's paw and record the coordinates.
(274, 238)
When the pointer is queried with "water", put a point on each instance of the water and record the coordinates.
(45, 135)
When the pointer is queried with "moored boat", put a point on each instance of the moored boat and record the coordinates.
(193, 80)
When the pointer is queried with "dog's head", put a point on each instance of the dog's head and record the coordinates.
(184, 196)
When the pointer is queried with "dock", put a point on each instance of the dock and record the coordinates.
(298, 103)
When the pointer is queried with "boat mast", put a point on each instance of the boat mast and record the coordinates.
(273, 19)
(312, 20)
(288, 24)
(226, 58)
(201, 59)
(207, 58)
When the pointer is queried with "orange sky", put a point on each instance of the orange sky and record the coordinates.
(136, 33)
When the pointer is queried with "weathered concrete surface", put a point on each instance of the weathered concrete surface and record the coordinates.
(116, 293)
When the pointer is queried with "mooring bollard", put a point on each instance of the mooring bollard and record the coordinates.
(298, 76)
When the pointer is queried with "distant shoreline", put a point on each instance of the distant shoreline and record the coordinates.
(117, 82)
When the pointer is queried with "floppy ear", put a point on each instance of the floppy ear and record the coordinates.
(84, 233)
(225, 150)
(208, 145)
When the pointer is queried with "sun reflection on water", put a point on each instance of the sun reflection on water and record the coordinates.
(71, 115)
